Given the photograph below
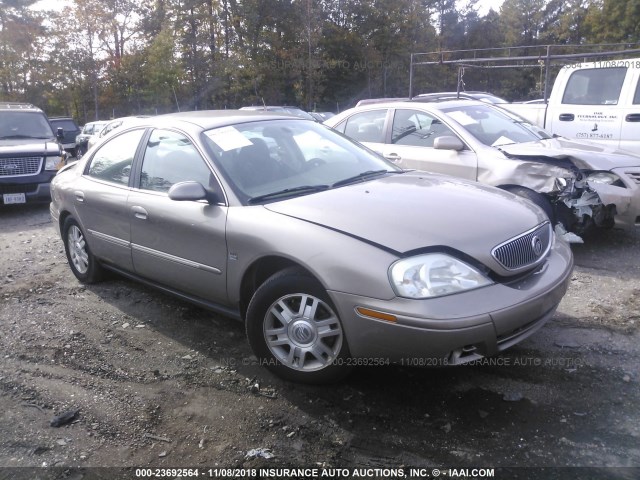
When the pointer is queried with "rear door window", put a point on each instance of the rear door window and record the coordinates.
(367, 126)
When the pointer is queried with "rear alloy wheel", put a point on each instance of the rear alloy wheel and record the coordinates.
(294, 329)
(82, 262)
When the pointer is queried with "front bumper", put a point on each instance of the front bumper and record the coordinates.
(36, 188)
(457, 328)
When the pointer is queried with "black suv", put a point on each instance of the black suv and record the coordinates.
(70, 131)
(30, 154)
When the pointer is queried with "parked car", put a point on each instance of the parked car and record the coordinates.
(321, 116)
(88, 131)
(471, 95)
(109, 127)
(327, 259)
(70, 131)
(595, 101)
(578, 184)
(30, 154)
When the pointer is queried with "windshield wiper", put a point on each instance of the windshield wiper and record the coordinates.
(288, 192)
(362, 176)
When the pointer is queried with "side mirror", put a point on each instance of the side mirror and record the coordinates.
(191, 191)
(60, 133)
(448, 142)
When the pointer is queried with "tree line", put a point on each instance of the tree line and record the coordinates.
(108, 58)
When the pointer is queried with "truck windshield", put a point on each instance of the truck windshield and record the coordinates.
(493, 127)
(24, 125)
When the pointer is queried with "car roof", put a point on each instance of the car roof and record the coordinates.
(207, 119)
(469, 94)
(424, 105)
(19, 106)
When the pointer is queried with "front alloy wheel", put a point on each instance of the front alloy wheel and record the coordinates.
(303, 332)
(294, 330)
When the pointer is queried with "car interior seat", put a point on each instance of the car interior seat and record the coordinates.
(254, 164)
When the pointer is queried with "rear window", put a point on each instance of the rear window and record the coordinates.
(595, 86)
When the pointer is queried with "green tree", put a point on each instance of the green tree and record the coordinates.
(21, 48)
(609, 21)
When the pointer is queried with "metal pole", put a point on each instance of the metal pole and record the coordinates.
(411, 77)
(547, 62)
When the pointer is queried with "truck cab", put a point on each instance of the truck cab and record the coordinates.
(595, 101)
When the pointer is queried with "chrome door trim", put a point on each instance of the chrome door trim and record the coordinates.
(173, 258)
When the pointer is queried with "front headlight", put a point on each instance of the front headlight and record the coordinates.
(53, 163)
(434, 275)
(603, 177)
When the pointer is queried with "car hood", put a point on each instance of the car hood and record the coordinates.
(26, 146)
(585, 155)
(415, 210)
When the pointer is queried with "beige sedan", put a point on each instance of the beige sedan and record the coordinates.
(330, 255)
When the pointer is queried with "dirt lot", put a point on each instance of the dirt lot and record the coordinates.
(160, 383)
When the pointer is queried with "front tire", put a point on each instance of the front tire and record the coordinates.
(294, 330)
(82, 262)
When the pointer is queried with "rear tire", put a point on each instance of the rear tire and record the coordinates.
(82, 262)
(294, 330)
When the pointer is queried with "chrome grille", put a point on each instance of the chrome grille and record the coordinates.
(635, 176)
(14, 167)
(524, 250)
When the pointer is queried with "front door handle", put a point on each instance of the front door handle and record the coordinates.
(394, 157)
(139, 212)
(632, 117)
(567, 117)
(79, 196)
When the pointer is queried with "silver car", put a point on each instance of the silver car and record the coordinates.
(579, 184)
(331, 255)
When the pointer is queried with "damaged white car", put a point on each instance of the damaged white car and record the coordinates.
(580, 185)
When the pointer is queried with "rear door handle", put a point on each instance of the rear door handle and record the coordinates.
(139, 212)
(567, 117)
(79, 196)
(632, 117)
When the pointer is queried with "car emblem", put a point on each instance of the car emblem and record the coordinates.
(536, 243)
(302, 333)
(10, 166)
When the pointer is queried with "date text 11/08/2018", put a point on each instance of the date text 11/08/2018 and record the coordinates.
(308, 473)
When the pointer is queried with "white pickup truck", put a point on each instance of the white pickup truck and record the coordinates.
(596, 101)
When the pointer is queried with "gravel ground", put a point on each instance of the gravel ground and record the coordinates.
(154, 382)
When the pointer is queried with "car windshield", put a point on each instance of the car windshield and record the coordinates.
(270, 160)
(24, 125)
(494, 127)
